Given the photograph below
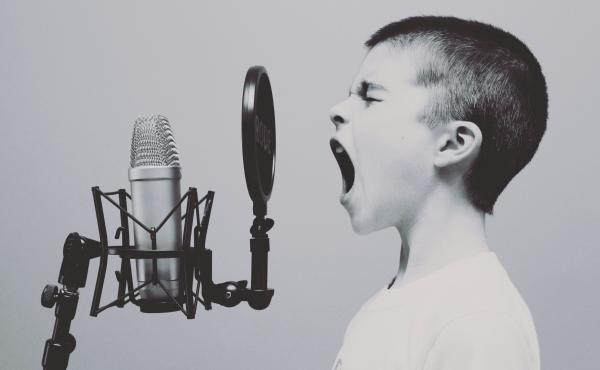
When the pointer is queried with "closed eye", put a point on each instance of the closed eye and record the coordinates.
(369, 99)
(363, 96)
(362, 91)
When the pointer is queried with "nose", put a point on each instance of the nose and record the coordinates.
(337, 116)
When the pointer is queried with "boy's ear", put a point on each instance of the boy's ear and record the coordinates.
(458, 143)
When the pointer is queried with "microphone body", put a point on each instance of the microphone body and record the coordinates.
(154, 193)
(155, 177)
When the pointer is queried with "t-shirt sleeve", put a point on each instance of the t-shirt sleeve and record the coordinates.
(486, 341)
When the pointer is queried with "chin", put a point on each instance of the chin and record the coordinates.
(365, 224)
(360, 229)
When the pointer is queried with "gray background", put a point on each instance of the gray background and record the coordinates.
(74, 76)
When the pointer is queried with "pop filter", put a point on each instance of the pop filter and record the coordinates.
(258, 137)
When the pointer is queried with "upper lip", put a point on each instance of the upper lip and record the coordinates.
(344, 161)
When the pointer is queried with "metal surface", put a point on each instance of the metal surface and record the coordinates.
(155, 191)
(152, 143)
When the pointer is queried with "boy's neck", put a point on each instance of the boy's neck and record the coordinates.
(447, 229)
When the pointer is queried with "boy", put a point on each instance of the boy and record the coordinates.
(442, 115)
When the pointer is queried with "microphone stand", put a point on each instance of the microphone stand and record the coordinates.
(77, 253)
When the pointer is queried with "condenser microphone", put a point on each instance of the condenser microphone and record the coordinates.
(155, 175)
(170, 253)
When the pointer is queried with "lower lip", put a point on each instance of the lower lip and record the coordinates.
(345, 197)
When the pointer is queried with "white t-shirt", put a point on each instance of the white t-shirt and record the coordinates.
(465, 316)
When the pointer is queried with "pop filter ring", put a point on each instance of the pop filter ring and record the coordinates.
(258, 137)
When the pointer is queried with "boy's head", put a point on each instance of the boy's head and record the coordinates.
(438, 101)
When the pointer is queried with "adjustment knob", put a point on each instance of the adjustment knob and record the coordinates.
(261, 226)
(229, 293)
(49, 295)
(70, 342)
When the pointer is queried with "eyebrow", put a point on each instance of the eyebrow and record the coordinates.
(365, 86)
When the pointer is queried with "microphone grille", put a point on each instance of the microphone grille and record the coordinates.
(152, 143)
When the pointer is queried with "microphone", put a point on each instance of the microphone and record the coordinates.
(167, 259)
(155, 175)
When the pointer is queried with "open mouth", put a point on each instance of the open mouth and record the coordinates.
(343, 160)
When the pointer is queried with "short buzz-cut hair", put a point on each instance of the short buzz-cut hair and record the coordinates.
(478, 73)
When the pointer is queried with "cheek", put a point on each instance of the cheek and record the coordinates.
(388, 143)
(395, 161)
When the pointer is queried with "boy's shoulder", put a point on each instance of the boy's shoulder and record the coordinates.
(478, 286)
(468, 303)
(475, 309)
(474, 284)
